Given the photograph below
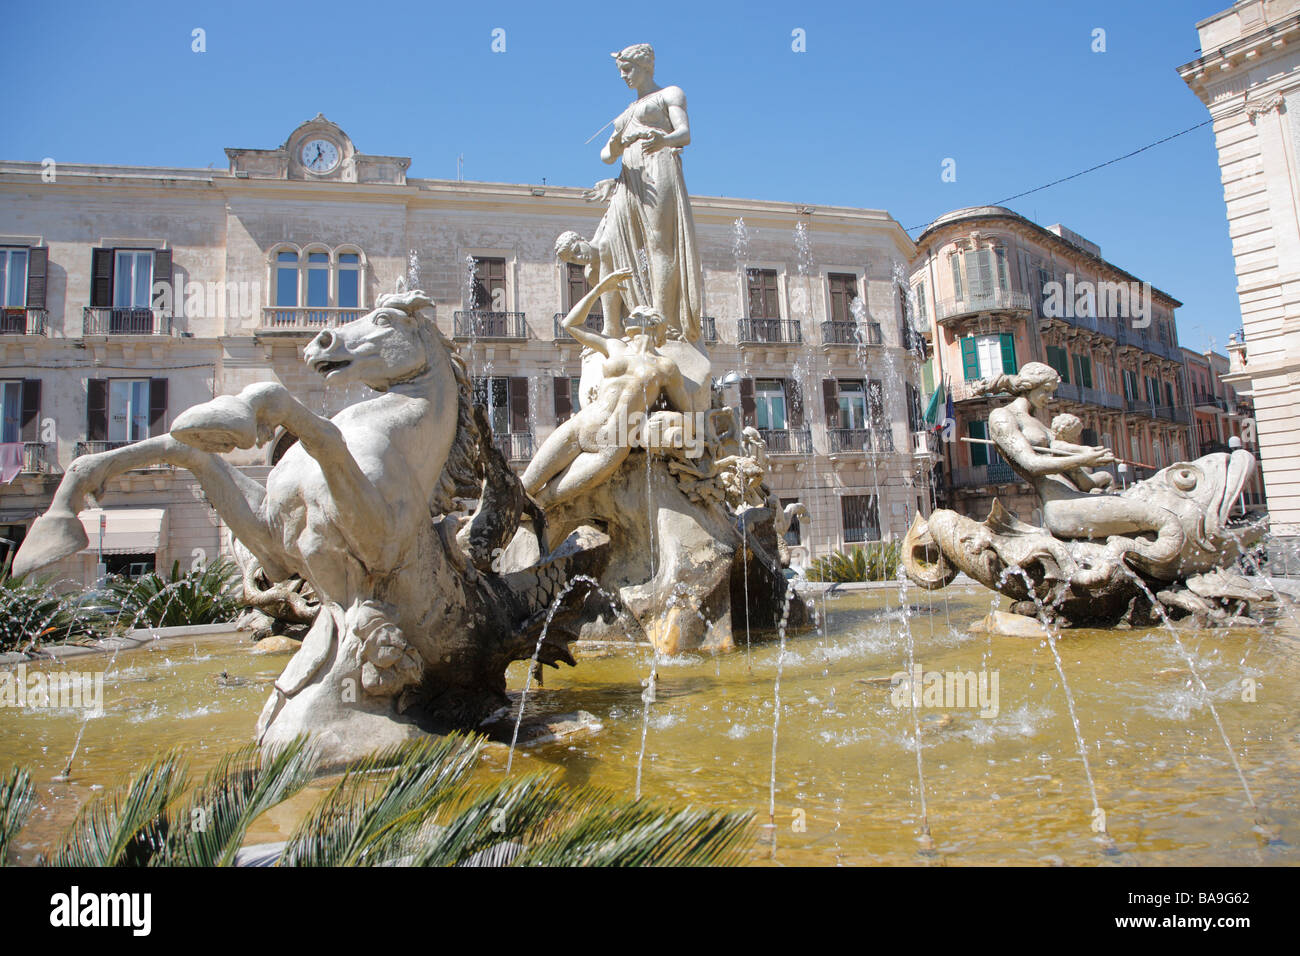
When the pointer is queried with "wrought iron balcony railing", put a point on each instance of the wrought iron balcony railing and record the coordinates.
(594, 322)
(35, 461)
(769, 331)
(925, 443)
(848, 440)
(709, 329)
(515, 446)
(306, 318)
(787, 441)
(24, 321)
(480, 324)
(998, 300)
(838, 332)
(998, 473)
(101, 320)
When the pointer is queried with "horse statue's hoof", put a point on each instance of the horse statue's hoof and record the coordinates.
(51, 538)
(221, 425)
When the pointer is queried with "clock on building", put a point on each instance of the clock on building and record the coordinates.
(319, 155)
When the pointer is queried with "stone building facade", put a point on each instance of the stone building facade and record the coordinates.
(1248, 76)
(996, 291)
(133, 293)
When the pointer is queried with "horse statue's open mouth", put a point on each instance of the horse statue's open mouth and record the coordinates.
(327, 367)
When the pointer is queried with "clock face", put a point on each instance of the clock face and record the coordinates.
(320, 155)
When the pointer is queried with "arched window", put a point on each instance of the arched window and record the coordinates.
(319, 281)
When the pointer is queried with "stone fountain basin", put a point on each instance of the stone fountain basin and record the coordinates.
(1002, 789)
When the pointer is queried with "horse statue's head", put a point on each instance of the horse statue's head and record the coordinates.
(392, 343)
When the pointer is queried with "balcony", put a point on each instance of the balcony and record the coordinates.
(962, 391)
(1208, 403)
(1178, 415)
(595, 322)
(515, 446)
(769, 332)
(24, 321)
(998, 300)
(787, 441)
(860, 440)
(1088, 396)
(478, 324)
(35, 460)
(925, 443)
(997, 473)
(837, 332)
(98, 320)
(305, 318)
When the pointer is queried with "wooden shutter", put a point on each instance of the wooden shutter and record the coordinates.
(1008, 342)
(793, 403)
(101, 281)
(31, 421)
(519, 404)
(747, 408)
(157, 406)
(162, 272)
(970, 363)
(979, 453)
(97, 409)
(956, 275)
(38, 264)
(831, 401)
(563, 403)
(578, 286)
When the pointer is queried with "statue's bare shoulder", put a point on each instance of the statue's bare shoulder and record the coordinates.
(673, 96)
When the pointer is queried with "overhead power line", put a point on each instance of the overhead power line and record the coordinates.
(1084, 172)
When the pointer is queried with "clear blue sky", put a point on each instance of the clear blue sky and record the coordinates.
(1010, 89)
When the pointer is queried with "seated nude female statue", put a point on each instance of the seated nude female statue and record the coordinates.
(1068, 512)
(586, 450)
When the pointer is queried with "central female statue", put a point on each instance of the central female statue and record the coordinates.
(649, 227)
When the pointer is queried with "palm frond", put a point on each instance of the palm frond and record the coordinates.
(15, 806)
(127, 826)
(614, 831)
(370, 816)
(209, 827)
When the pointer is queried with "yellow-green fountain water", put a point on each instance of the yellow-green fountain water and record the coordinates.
(1007, 788)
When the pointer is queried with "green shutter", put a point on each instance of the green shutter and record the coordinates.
(970, 365)
(1085, 369)
(979, 453)
(1057, 358)
(1008, 353)
(956, 276)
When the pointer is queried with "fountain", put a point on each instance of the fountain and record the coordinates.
(421, 607)
(647, 520)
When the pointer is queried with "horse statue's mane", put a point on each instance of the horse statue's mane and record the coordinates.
(462, 473)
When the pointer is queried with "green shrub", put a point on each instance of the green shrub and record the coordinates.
(211, 595)
(878, 561)
(33, 613)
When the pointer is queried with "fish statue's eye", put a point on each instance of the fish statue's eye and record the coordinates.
(1184, 479)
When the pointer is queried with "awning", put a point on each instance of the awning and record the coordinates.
(125, 530)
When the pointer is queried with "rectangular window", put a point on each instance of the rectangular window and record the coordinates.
(318, 280)
(844, 289)
(495, 394)
(861, 518)
(761, 287)
(1130, 385)
(921, 312)
(1083, 370)
(489, 290)
(132, 278)
(13, 278)
(286, 280)
(914, 412)
(852, 405)
(11, 399)
(128, 409)
(988, 354)
(769, 404)
(1059, 359)
(349, 281)
(882, 433)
